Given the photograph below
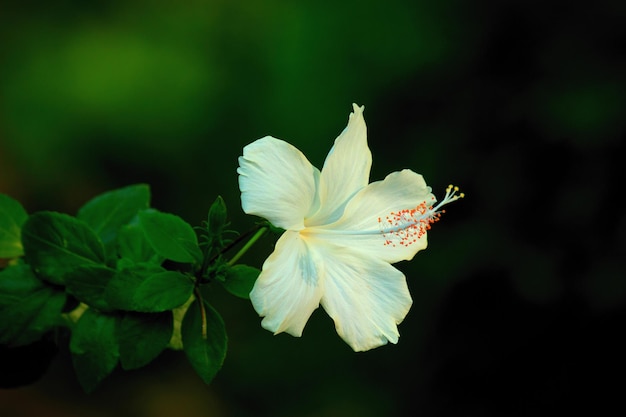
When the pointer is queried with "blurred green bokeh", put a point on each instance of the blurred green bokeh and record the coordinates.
(517, 300)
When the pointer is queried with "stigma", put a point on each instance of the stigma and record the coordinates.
(407, 226)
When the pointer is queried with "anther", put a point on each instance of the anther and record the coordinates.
(407, 226)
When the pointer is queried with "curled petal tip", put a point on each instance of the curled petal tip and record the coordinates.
(358, 108)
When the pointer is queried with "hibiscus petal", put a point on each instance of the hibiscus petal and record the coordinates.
(288, 289)
(346, 170)
(277, 182)
(360, 228)
(366, 297)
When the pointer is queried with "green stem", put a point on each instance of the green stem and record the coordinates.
(208, 261)
(235, 242)
(248, 245)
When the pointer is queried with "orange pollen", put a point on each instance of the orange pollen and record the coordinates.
(406, 226)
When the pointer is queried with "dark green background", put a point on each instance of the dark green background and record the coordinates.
(519, 299)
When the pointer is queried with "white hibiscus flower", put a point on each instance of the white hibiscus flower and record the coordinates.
(341, 236)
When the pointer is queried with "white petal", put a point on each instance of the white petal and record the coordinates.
(277, 182)
(289, 288)
(366, 297)
(346, 170)
(359, 227)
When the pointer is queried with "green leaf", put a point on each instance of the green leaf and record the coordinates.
(120, 291)
(142, 337)
(94, 348)
(170, 236)
(146, 289)
(28, 307)
(106, 213)
(239, 280)
(163, 291)
(12, 217)
(204, 339)
(133, 245)
(87, 284)
(55, 244)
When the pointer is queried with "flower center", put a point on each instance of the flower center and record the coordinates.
(406, 226)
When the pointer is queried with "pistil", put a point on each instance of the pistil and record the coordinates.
(406, 226)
